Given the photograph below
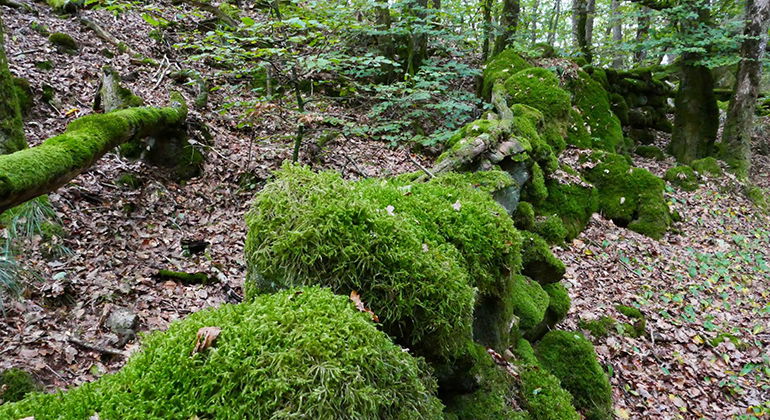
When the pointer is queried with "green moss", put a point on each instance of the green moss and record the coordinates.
(48, 93)
(650, 152)
(683, 177)
(186, 278)
(189, 162)
(23, 94)
(707, 166)
(501, 67)
(758, 196)
(63, 43)
(527, 124)
(577, 133)
(40, 28)
(306, 346)
(551, 228)
(539, 88)
(630, 311)
(525, 353)
(524, 217)
(571, 358)
(631, 197)
(558, 302)
(65, 6)
(44, 65)
(415, 252)
(128, 180)
(538, 262)
(491, 398)
(574, 203)
(535, 190)
(639, 326)
(83, 139)
(543, 397)
(620, 108)
(529, 302)
(593, 103)
(600, 327)
(15, 384)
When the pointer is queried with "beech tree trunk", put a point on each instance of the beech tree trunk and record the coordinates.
(486, 10)
(617, 33)
(736, 137)
(580, 25)
(534, 13)
(31, 172)
(509, 21)
(642, 33)
(554, 22)
(11, 126)
(697, 117)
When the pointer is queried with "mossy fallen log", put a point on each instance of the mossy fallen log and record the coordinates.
(29, 173)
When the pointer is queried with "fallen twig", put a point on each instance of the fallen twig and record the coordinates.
(89, 346)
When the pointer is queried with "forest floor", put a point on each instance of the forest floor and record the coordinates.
(704, 288)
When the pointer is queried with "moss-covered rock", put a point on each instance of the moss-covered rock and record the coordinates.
(302, 353)
(415, 252)
(501, 67)
(630, 196)
(524, 217)
(572, 359)
(551, 228)
(527, 125)
(683, 177)
(573, 202)
(538, 262)
(543, 397)
(600, 327)
(558, 306)
(593, 103)
(63, 43)
(529, 302)
(650, 152)
(23, 94)
(577, 132)
(638, 325)
(707, 166)
(15, 384)
(535, 190)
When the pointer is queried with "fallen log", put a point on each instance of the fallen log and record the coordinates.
(31, 172)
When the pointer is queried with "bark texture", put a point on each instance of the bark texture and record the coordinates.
(736, 137)
(509, 21)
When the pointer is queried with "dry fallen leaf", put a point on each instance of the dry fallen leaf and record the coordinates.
(356, 299)
(205, 338)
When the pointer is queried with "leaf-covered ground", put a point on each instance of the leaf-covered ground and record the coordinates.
(704, 289)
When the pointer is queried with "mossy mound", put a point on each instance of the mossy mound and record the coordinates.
(414, 251)
(629, 196)
(543, 397)
(573, 202)
(551, 228)
(600, 327)
(302, 353)
(571, 358)
(593, 103)
(524, 217)
(683, 177)
(538, 262)
(529, 302)
(650, 152)
(63, 43)
(501, 67)
(707, 166)
(23, 94)
(15, 384)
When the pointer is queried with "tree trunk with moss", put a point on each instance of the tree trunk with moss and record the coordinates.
(736, 137)
(32, 172)
(697, 117)
(580, 27)
(11, 126)
(509, 21)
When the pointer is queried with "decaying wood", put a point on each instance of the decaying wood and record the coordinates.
(100, 349)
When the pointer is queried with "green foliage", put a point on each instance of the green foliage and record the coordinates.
(413, 251)
(571, 358)
(63, 43)
(758, 196)
(302, 345)
(683, 177)
(15, 384)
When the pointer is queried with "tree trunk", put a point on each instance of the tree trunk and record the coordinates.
(486, 10)
(509, 21)
(580, 27)
(642, 33)
(535, 11)
(11, 126)
(590, 13)
(697, 116)
(32, 172)
(418, 42)
(554, 23)
(617, 34)
(736, 137)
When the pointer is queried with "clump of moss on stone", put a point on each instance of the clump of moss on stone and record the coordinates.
(128, 180)
(551, 228)
(538, 262)
(23, 94)
(15, 384)
(600, 327)
(501, 67)
(535, 190)
(629, 196)
(574, 203)
(707, 166)
(683, 177)
(543, 396)
(524, 217)
(298, 345)
(529, 302)
(558, 306)
(491, 398)
(527, 124)
(414, 252)
(44, 65)
(590, 98)
(63, 43)
(638, 326)
(577, 133)
(758, 196)
(620, 108)
(572, 359)
(650, 152)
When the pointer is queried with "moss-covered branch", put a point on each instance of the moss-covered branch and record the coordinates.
(32, 172)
